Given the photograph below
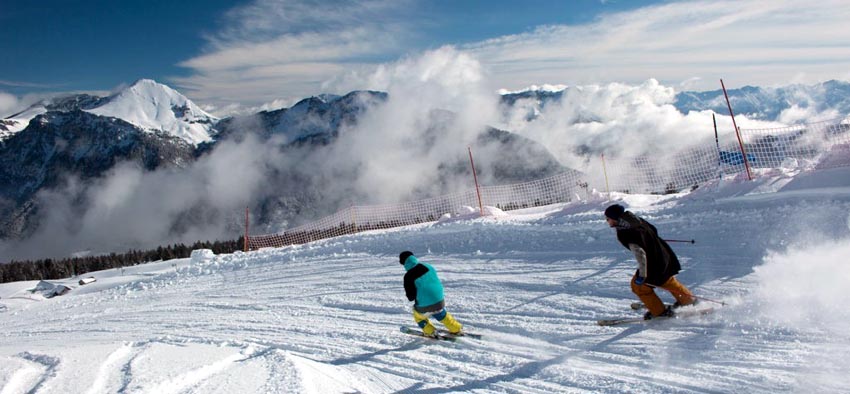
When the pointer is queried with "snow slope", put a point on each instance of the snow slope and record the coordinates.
(324, 317)
(13, 124)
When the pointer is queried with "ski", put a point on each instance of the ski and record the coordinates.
(462, 334)
(639, 305)
(630, 320)
(419, 333)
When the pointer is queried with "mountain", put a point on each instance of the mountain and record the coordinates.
(755, 102)
(19, 121)
(58, 145)
(769, 103)
(153, 127)
(82, 137)
(151, 106)
(158, 108)
(317, 118)
(307, 132)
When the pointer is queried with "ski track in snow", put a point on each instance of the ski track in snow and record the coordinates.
(324, 317)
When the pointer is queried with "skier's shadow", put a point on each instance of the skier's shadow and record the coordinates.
(525, 371)
(601, 271)
(368, 356)
(602, 346)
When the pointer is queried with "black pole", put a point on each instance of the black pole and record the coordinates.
(717, 144)
(716, 139)
(690, 241)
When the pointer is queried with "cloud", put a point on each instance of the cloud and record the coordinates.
(27, 84)
(387, 151)
(391, 155)
(9, 104)
(286, 50)
(129, 208)
(271, 18)
(749, 42)
(624, 122)
(272, 50)
(395, 144)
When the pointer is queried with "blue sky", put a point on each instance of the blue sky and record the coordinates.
(251, 53)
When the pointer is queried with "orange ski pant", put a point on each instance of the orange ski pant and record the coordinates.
(647, 295)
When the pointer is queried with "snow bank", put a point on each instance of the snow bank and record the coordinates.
(470, 213)
(199, 256)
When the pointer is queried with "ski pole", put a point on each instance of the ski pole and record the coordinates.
(710, 300)
(690, 241)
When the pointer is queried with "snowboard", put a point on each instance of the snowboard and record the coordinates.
(632, 320)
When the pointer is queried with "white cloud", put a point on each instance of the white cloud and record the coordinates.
(389, 143)
(749, 42)
(271, 50)
(271, 18)
(8, 104)
(208, 196)
(623, 122)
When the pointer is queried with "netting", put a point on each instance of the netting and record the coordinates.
(812, 143)
(559, 188)
(818, 145)
(659, 174)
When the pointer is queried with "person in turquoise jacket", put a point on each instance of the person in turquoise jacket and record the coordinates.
(422, 285)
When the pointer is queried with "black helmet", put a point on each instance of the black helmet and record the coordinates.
(615, 211)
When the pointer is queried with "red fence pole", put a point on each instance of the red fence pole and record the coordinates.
(737, 132)
(477, 190)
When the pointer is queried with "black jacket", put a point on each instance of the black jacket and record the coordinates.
(661, 262)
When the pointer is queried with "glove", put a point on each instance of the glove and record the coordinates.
(639, 280)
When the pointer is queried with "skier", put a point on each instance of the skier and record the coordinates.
(422, 285)
(657, 264)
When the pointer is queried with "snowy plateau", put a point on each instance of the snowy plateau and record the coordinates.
(324, 317)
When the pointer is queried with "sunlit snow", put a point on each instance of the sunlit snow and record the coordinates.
(325, 317)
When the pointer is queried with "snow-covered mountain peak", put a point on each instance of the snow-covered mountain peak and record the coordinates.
(156, 107)
(328, 98)
(547, 88)
(19, 121)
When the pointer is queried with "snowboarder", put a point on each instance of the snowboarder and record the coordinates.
(422, 285)
(657, 264)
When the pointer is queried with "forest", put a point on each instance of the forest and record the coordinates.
(23, 270)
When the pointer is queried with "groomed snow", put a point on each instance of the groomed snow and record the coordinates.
(324, 317)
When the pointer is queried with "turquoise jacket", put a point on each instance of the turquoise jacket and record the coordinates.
(422, 284)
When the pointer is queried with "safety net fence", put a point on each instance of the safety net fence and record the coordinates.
(811, 146)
